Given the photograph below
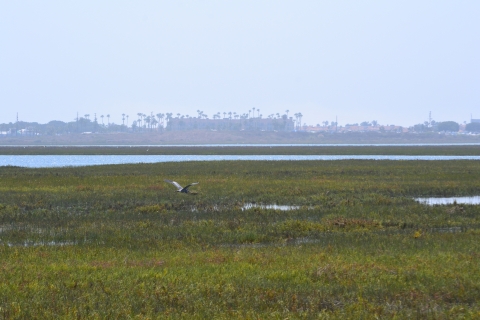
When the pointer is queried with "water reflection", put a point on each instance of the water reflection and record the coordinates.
(42, 243)
(50, 161)
(247, 206)
(449, 200)
(447, 230)
(271, 145)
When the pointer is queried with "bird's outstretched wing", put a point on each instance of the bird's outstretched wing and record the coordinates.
(191, 184)
(179, 187)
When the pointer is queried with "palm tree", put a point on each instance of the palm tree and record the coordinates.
(224, 114)
(230, 114)
(123, 119)
(127, 120)
(102, 119)
(287, 111)
(168, 117)
(139, 121)
(153, 122)
(108, 118)
(160, 120)
(147, 121)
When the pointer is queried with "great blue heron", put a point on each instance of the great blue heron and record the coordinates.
(179, 187)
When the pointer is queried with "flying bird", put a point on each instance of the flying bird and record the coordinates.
(179, 187)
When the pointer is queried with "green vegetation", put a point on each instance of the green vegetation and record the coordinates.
(458, 150)
(473, 127)
(449, 126)
(118, 242)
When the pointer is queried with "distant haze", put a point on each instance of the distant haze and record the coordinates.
(390, 61)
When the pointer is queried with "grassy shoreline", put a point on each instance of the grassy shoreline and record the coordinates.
(244, 150)
(117, 242)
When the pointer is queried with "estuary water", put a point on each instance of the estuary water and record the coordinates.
(449, 200)
(271, 145)
(51, 161)
(248, 206)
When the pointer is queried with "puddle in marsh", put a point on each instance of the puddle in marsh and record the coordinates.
(448, 230)
(287, 242)
(46, 243)
(247, 206)
(449, 200)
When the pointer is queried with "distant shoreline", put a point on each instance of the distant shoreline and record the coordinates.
(200, 137)
(277, 150)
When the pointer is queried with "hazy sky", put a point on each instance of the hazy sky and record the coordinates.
(390, 61)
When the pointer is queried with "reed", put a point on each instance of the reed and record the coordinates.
(118, 242)
(454, 150)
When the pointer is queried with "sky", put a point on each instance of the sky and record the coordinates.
(389, 61)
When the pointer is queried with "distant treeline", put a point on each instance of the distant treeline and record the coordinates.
(159, 122)
(58, 127)
(446, 126)
(168, 123)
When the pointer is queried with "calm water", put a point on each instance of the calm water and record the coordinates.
(252, 145)
(50, 161)
(269, 206)
(42, 243)
(449, 200)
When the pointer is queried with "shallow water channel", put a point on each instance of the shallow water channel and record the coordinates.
(474, 200)
(449, 200)
(247, 206)
(51, 161)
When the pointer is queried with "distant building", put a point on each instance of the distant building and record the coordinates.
(355, 128)
(10, 132)
(27, 132)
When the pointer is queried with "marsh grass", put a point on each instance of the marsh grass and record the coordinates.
(457, 150)
(117, 242)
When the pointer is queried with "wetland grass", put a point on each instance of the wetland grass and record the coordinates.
(439, 150)
(118, 242)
